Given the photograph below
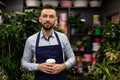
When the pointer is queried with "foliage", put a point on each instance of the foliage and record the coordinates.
(105, 70)
(13, 34)
(82, 42)
(3, 75)
(107, 66)
(111, 35)
(75, 22)
(27, 75)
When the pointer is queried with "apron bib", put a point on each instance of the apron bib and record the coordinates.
(45, 52)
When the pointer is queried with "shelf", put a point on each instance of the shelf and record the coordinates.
(83, 51)
(32, 7)
(79, 35)
(86, 8)
(87, 14)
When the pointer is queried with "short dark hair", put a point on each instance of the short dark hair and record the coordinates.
(48, 6)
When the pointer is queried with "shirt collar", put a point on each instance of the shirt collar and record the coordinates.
(42, 35)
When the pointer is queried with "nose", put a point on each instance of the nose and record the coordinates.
(48, 18)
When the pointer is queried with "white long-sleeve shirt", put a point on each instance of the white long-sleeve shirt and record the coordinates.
(29, 50)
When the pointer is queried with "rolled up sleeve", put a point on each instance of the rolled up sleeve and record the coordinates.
(28, 56)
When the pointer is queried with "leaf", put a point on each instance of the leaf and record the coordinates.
(107, 71)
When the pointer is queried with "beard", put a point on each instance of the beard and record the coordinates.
(47, 26)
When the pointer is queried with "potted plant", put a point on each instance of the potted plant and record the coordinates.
(82, 43)
(51, 2)
(80, 3)
(33, 3)
(65, 3)
(76, 24)
(97, 30)
(95, 3)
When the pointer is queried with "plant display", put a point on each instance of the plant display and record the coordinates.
(13, 34)
(111, 35)
(107, 66)
(82, 42)
(75, 22)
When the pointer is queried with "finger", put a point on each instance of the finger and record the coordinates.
(49, 64)
(55, 72)
(48, 69)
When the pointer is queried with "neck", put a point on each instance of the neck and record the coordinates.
(47, 33)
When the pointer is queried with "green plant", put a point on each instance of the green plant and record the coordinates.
(27, 75)
(82, 42)
(107, 65)
(104, 71)
(13, 34)
(111, 34)
(3, 74)
(75, 22)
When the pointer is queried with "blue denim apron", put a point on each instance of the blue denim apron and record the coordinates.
(45, 52)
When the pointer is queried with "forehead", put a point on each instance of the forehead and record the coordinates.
(48, 11)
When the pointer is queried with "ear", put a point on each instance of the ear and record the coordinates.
(40, 19)
(56, 19)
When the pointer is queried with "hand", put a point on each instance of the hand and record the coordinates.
(46, 68)
(58, 68)
(51, 68)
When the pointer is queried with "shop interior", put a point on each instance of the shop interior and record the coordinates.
(92, 29)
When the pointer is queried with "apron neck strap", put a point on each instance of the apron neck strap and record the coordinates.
(38, 37)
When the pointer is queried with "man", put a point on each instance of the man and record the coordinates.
(48, 44)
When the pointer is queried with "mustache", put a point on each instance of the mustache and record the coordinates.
(47, 22)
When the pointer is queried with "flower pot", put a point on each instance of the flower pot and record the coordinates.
(1, 20)
(96, 17)
(96, 40)
(65, 3)
(51, 2)
(94, 57)
(87, 57)
(96, 46)
(95, 3)
(80, 3)
(63, 18)
(97, 31)
(82, 49)
(32, 3)
(63, 27)
(72, 31)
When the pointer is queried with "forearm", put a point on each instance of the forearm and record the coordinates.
(69, 63)
(29, 66)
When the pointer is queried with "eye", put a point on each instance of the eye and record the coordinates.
(52, 16)
(44, 16)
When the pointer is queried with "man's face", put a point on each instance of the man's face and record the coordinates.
(48, 18)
